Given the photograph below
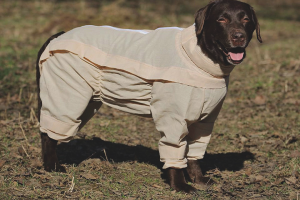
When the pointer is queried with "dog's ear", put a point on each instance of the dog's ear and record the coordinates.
(201, 16)
(257, 27)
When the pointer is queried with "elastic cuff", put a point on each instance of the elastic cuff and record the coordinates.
(177, 164)
(56, 129)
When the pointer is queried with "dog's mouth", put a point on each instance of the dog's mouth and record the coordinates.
(234, 55)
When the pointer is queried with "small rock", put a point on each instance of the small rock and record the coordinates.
(243, 139)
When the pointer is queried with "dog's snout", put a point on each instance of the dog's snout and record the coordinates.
(238, 35)
(238, 38)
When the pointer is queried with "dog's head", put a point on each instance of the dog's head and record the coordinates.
(224, 29)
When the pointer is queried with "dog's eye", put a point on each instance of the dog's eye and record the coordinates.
(222, 20)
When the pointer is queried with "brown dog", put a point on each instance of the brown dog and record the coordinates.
(223, 30)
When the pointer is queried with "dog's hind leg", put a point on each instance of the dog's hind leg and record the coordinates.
(49, 155)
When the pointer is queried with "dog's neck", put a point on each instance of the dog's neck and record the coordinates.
(201, 59)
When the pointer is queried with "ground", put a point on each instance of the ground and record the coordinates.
(254, 151)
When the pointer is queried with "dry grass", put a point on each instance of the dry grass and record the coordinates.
(254, 152)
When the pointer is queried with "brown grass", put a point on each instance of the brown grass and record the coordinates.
(254, 151)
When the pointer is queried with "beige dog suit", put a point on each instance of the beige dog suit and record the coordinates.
(160, 73)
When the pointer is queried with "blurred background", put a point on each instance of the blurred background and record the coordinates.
(254, 150)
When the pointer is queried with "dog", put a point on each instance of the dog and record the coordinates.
(179, 77)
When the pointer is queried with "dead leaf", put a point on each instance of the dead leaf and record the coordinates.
(89, 176)
(259, 134)
(291, 101)
(20, 181)
(260, 100)
(294, 195)
(21, 151)
(3, 122)
(104, 123)
(1, 179)
(279, 181)
(16, 156)
(34, 149)
(91, 162)
(295, 154)
(2, 162)
(15, 183)
(290, 140)
(256, 178)
(256, 195)
(157, 186)
(259, 178)
(36, 163)
(248, 171)
(271, 141)
(291, 180)
(33, 183)
(18, 193)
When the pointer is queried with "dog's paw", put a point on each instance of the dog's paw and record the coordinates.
(54, 167)
(177, 181)
(205, 181)
(184, 187)
(60, 168)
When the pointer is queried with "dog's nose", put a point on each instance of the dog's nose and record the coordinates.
(238, 38)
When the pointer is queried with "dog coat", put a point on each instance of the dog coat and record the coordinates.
(160, 73)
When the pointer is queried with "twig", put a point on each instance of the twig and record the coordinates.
(20, 94)
(33, 113)
(72, 185)
(26, 140)
(30, 98)
(23, 130)
(25, 151)
(286, 87)
(5, 114)
(105, 154)
(8, 98)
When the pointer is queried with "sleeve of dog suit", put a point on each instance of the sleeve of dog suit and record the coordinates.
(200, 132)
(174, 107)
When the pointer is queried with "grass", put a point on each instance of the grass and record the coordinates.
(254, 150)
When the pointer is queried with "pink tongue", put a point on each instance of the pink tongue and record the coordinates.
(236, 56)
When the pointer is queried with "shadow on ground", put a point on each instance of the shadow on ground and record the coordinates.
(79, 150)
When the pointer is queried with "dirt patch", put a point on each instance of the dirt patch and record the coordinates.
(254, 150)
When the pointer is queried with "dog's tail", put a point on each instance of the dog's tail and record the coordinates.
(38, 70)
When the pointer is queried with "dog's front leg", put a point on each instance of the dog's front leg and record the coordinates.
(49, 155)
(195, 173)
(177, 180)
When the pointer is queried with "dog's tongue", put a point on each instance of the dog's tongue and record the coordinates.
(236, 56)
